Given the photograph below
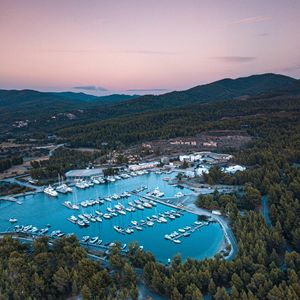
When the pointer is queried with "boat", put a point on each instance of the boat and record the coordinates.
(44, 230)
(114, 214)
(178, 195)
(158, 193)
(177, 241)
(197, 222)
(118, 229)
(163, 220)
(171, 217)
(124, 246)
(167, 237)
(67, 204)
(13, 220)
(86, 222)
(118, 206)
(139, 206)
(129, 231)
(138, 228)
(98, 219)
(81, 185)
(64, 188)
(73, 219)
(186, 234)
(147, 205)
(100, 242)
(122, 212)
(96, 181)
(134, 223)
(150, 223)
(85, 238)
(181, 230)
(84, 204)
(94, 240)
(81, 223)
(50, 191)
(106, 216)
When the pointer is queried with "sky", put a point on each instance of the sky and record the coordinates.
(144, 46)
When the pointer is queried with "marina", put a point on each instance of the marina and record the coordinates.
(124, 210)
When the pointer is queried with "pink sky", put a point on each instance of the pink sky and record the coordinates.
(143, 45)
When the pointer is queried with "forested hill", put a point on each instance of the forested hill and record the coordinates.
(184, 121)
(13, 99)
(47, 112)
(224, 89)
(40, 107)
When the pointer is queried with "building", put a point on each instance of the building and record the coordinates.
(201, 170)
(234, 169)
(143, 166)
(190, 174)
(83, 173)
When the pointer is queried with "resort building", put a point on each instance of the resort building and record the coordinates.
(233, 169)
(201, 170)
(143, 166)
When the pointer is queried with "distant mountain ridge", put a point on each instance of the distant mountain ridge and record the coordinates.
(47, 110)
(224, 89)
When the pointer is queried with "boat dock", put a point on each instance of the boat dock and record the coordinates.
(10, 199)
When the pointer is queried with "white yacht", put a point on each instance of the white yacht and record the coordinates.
(50, 191)
(64, 188)
(178, 195)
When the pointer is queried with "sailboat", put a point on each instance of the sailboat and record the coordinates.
(62, 187)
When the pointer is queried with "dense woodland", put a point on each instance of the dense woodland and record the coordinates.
(61, 161)
(186, 121)
(60, 271)
(9, 162)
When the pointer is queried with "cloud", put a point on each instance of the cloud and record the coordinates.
(252, 20)
(91, 88)
(234, 59)
(147, 90)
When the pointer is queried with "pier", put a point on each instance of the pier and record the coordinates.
(10, 199)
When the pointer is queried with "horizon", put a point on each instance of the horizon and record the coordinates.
(155, 92)
(107, 47)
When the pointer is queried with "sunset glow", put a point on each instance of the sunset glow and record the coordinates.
(144, 45)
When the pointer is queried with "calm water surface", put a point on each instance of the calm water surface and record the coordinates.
(40, 210)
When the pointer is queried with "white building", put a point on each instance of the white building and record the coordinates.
(234, 169)
(201, 170)
(190, 174)
(143, 166)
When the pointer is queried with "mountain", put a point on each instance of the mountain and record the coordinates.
(50, 111)
(224, 89)
(16, 105)
(31, 97)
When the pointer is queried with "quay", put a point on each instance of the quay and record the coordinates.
(10, 199)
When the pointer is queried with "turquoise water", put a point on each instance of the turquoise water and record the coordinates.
(40, 210)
